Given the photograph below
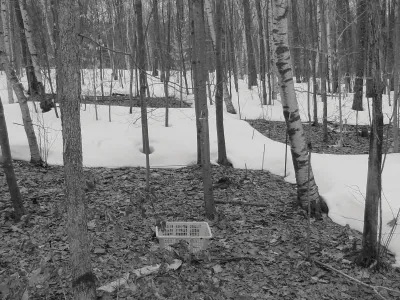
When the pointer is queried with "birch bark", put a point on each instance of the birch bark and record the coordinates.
(306, 187)
(22, 101)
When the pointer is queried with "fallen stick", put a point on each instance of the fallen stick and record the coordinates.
(235, 202)
(141, 272)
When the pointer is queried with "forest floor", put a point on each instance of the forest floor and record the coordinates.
(123, 100)
(257, 251)
(355, 138)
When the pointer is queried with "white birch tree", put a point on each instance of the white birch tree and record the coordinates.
(23, 103)
(307, 189)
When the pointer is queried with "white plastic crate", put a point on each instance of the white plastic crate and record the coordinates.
(197, 234)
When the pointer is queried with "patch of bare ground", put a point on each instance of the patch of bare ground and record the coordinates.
(355, 138)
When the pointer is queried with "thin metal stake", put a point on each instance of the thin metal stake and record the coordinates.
(286, 152)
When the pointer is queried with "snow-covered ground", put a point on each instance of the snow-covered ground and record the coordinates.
(341, 178)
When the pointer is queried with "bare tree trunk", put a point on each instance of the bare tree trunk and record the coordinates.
(143, 86)
(313, 30)
(47, 16)
(307, 189)
(262, 51)
(296, 43)
(268, 63)
(33, 84)
(26, 117)
(396, 71)
(222, 158)
(370, 252)
(160, 53)
(232, 56)
(252, 71)
(360, 57)
(8, 168)
(332, 11)
(270, 12)
(68, 70)
(324, 69)
(193, 63)
(31, 45)
(226, 96)
(5, 17)
(179, 20)
(167, 65)
(199, 64)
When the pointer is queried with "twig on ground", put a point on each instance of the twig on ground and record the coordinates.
(235, 202)
(373, 287)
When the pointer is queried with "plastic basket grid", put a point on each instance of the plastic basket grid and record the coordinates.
(197, 234)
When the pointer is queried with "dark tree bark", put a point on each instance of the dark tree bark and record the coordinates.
(252, 71)
(324, 68)
(219, 105)
(68, 69)
(271, 89)
(314, 34)
(361, 55)
(345, 42)
(370, 252)
(262, 51)
(8, 168)
(143, 86)
(200, 94)
(194, 62)
(179, 22)
(33, 84)
(334, 46)
(159, 51)
(296, 43)
(396, 77)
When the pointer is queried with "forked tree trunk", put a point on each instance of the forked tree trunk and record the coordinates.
(200, 94)
(8, 168)
(251, 67)
(370, 252)
(68, 70)
(26, 117)
(306, 187)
